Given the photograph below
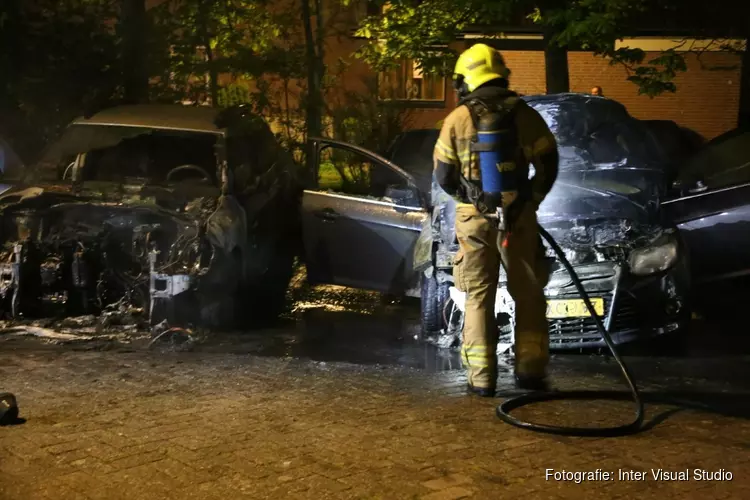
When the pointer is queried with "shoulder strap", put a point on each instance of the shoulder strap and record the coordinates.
(505, 106)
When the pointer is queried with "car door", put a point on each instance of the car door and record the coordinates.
(359, 232)
(711, 207)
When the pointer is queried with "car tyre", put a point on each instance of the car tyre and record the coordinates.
(434, 296)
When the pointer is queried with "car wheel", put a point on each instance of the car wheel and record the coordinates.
(434, 297)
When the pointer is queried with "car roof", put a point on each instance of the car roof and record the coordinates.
(565, 96)
(159, 116)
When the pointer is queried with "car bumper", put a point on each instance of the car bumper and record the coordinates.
(634, 308)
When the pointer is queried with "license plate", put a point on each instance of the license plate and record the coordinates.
(573, 308)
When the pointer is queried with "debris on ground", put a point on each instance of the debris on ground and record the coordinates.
(8, 409)
(78, 321)
(175, 338)
(119, 322)
(124, 315)
(46, 333)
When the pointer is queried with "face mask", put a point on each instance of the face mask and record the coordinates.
(460, 87)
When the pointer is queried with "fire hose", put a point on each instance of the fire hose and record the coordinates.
(506, 407)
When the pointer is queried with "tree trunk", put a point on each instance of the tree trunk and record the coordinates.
(206, 35)
(743, 120)
(213, 75)
(314, 57)
(134, 27)
(556, 66)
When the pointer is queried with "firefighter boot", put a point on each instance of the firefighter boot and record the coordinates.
(530, 365)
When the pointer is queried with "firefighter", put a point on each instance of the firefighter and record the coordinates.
(482, 160)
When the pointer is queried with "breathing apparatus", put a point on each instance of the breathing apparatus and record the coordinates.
(498, 189)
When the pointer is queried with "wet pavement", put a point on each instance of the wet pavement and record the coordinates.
(341, 399)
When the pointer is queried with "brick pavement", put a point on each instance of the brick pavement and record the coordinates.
(110, 425)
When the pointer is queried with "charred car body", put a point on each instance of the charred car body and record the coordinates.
(604, 211)
(183, 211)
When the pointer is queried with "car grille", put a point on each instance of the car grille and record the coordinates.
(584, 330)
(575, 330)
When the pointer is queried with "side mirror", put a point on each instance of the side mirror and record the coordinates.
(404, 195)
(695, 187)
(698, 187)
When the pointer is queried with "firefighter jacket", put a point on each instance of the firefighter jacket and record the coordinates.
(536, 145)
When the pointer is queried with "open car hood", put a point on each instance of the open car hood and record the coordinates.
(17, 198)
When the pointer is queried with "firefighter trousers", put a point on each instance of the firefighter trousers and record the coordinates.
(476, 272)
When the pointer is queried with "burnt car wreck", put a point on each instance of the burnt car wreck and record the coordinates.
(182, 212)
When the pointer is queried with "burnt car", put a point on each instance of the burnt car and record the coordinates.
(398, 235)
(190, 213)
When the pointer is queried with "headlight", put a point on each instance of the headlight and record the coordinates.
(655, 258)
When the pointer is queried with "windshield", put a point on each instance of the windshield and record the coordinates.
(119, 154)
(594, 133)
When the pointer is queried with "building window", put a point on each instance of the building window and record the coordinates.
(407, 83)
(362, 9)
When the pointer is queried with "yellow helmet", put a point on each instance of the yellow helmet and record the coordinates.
(478, 65)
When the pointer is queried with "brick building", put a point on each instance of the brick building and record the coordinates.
(707, 100)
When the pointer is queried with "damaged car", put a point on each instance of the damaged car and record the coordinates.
(397, 233)
(190, 213)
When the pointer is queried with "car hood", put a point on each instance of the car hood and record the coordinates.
(596, 197)
(56, 213)
(589, 226)
(23, 196)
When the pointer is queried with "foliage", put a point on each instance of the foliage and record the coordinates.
(57, 58)
(234, 94)
(414, 28)
(358, 118)
(202, 40)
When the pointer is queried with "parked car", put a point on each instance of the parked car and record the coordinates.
(398, 237)
(184, 211)
(709, 201)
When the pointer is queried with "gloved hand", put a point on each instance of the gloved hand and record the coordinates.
(513, 212)
(484, 203)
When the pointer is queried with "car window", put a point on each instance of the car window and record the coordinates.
(723, 162)
(152, 157)
(346, 172)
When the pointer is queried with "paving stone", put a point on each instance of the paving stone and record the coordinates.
(217, 426)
